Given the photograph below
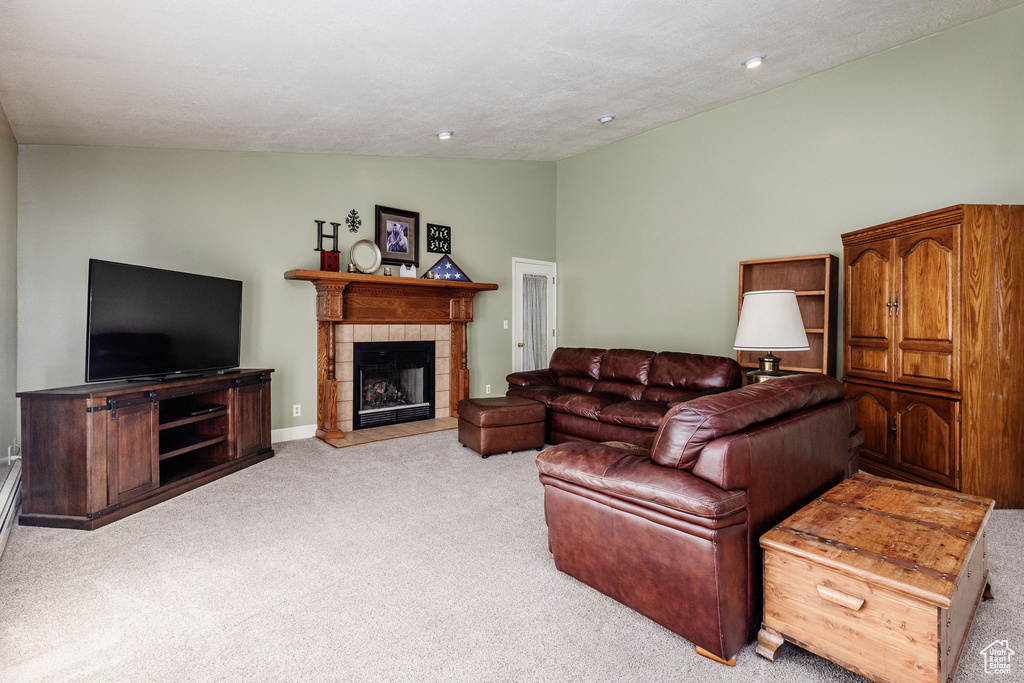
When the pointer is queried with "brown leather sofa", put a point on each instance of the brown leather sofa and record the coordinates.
(620, 394)
(670, 527)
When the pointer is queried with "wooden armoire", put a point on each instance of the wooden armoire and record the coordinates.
(933, 348)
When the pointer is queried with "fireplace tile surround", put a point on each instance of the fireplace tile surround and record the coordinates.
(386, 309)
(346, 335)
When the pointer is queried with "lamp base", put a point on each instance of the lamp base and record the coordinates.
(768, 368)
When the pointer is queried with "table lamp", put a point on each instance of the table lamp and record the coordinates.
(770, 321)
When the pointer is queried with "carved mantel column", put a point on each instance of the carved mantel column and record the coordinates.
(329, 310)
(354, 298)
(330, 300)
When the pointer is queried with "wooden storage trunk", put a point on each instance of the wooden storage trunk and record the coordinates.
(879, 576)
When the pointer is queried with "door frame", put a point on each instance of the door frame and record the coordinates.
(524, 266)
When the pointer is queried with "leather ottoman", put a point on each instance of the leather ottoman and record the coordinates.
(501, 424)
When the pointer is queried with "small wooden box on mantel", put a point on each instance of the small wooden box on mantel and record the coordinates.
(879, 576)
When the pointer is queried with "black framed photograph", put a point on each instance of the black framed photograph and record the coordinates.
(396, 236)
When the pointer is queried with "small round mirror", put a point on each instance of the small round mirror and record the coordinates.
(365, 256)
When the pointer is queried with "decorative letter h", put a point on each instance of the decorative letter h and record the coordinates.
(320, 235)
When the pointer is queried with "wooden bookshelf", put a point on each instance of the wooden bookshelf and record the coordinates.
(815, 280)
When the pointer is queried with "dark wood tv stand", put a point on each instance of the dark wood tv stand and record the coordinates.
(95, 453)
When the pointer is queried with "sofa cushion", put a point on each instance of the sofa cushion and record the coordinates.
(694, 371)
(624, 389)
(576, 362)
(670, 395)
(587, 405)
(633, 448)
(645, 414)
(543, 394)
(564, 427)
(626, 365)
(628, 474)
(689, 426)
(577, 383)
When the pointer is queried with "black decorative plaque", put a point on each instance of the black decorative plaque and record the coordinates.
(439, 239)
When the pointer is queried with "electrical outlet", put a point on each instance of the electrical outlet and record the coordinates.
(13, 453)
(296, 410)
(506, 324)
(487, 389)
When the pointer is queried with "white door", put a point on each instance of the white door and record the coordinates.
(533, 313)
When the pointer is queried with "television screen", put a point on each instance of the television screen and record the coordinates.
(150, 322)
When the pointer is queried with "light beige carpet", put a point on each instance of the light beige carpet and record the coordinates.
(404, 560)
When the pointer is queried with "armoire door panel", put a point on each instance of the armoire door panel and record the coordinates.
(928, 315)
(868, 318)
(873, 417)
(926, 367)
(868, 361)
(927, 438)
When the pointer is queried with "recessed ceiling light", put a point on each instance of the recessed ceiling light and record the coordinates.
(445, 134)
(753, 62)
(606, 118)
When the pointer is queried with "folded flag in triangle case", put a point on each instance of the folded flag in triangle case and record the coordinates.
(446, 269)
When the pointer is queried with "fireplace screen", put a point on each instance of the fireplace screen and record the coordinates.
(393, 382)
(387, 386)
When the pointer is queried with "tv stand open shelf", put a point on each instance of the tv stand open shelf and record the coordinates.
(186, 443)
(96, 453)
(189, 419)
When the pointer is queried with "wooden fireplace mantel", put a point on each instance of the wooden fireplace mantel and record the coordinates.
(355, 298)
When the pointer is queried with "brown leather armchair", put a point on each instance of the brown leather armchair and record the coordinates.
(670, 527)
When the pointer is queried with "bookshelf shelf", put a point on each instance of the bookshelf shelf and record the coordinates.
(814, 279)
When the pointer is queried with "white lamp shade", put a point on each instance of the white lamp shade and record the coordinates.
(770, 321)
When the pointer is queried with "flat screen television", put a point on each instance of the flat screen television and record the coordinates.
(148, 322)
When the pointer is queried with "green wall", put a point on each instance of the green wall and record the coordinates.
(250, 217)
(650, 230)
(8, 284)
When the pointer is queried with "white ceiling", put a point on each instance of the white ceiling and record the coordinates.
(520, 79)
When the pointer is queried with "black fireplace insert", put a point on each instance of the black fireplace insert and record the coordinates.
(392, 382)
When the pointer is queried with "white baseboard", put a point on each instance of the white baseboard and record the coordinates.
(292, 433)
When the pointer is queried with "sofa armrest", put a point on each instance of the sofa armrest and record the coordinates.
(813, 446)
(532, 378)
(688, 427)
(627, 473)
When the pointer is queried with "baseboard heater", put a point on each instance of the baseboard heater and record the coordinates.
(10, 498)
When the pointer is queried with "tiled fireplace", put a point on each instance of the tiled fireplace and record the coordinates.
(353, 307)
(346, 336)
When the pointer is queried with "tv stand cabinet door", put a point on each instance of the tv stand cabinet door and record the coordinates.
(133, 460)
(253, 410)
